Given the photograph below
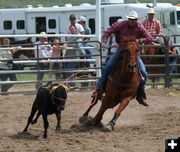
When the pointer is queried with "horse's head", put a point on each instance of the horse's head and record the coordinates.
(129, 48)
(59, 95)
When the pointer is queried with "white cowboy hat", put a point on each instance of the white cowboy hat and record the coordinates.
(43, 35)
(150, 11)
(82, 18)
(132, 15)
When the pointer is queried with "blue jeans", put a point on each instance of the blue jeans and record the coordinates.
(40, 66)
(88, 52)
(56, 66)
(112, 63)
(172, 68)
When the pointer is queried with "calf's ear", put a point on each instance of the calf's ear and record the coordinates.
(48, 84)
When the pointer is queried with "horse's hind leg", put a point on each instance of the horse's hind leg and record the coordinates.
(117, 113)
(33, 111)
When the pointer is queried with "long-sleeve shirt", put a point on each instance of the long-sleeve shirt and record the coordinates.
(45, 50)
(122, 29)
(5, 55)
(153, 26)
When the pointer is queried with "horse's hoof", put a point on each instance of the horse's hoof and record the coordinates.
(108, 128)
(84, 119)
(99, 125)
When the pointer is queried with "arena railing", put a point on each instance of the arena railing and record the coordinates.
(96, 60)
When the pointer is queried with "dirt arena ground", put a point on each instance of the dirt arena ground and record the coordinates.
(139, 129)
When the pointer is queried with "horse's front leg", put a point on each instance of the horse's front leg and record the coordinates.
(104, 106)
(85, 116)
(123, 104)
(46, 125)
(58, 116)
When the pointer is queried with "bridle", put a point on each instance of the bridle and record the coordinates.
(125, 61)
(130, 66)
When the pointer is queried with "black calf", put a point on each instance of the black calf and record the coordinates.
(49, 100)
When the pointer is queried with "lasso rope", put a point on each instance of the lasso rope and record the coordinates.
(95, 94)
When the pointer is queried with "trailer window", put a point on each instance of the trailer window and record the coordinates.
(172, 18)
(178, 17)
(113, 19)
(7, 25)
(52, 23)
(92, 25)
(20, 24)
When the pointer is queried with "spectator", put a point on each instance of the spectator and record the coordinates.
(73, 21)
(87, 31)
(57, 54)
(153, 25)
(172, 59)
(6, 63)
(74, 52)
(79, 30)
(43, 51)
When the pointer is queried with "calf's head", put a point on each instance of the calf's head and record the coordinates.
(59, 95)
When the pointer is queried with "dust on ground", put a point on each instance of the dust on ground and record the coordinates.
(139, 128)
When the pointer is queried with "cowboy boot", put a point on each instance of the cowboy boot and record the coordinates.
(141, 96)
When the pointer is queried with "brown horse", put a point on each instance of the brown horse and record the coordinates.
(122, 84)
(152, 61)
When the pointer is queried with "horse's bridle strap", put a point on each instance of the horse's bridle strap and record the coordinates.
(118, 83)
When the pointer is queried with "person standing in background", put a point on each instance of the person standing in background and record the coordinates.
(43, 51)
(6, 63)
(73, 21)
(57, 54)
(153, 25)
(87, 31)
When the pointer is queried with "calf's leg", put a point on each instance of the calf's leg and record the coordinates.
(58, 116)
(35, 120)
(33, 111)
(46, 125)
